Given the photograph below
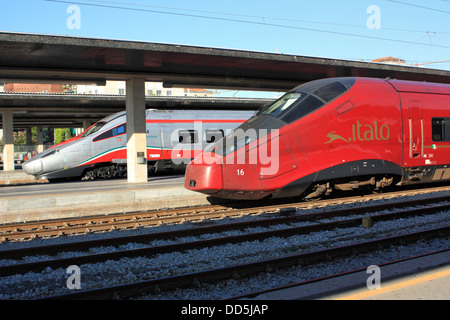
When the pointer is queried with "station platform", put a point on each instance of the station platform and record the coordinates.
(422, 278)
(17, 177)
(37, 201)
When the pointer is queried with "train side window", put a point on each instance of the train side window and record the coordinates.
(330, 91)
(119, 130)
(122, 129)
(213, 135)
(438, 129)
(187, 136)
(111, 133)
(104, 135)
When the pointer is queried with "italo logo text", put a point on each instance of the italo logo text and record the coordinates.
(363, 132)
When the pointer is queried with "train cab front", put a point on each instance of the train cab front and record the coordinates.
(205, 174)
(210, 174)
(231, 168)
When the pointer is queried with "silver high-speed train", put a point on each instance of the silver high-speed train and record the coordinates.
(174, 137)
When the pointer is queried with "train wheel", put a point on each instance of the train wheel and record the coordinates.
(107, 172)
(90, 175)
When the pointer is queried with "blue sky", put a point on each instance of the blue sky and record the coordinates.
(415, 31)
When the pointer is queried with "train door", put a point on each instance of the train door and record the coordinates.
(413, 146)
(166, 141)
(415, 133)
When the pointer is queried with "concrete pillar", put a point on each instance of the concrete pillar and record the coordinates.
(28, 137)
(136, 131)
(40, 139)
(8, 140)
(86, 124)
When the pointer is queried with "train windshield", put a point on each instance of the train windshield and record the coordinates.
(306, 98)
(94, 128)
(277, 108)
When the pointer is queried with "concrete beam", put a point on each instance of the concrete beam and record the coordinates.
(136, 131)
(8, 140)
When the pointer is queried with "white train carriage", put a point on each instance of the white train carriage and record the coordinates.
(174, 137)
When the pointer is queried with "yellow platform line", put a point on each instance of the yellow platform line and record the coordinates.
(396, 286)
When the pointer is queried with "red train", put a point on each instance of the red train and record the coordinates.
(337, 133)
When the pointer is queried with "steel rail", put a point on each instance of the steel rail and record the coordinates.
(132, 289)
(152, 218)
(98, 223)
(306, 282)
(195, 231)
(152, 250)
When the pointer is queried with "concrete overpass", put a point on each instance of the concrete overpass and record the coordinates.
(33, 57)
(81, 110)
(74, 110)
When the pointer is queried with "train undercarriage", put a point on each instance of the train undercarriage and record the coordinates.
(371, 184)
(119, 170)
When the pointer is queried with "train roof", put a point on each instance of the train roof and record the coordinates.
(198, 114)
(113, 116)
(420, 87)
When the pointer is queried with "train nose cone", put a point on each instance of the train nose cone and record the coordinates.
(32, 167)
(205, 178)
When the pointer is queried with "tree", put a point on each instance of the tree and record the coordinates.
(62, 135)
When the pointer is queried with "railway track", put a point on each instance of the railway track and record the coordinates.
(281, 226)
(61, 227)
(198, 231)
(152, 250)
(260, 294)
(124, 291)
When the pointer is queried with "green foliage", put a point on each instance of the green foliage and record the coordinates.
(59, 135)
(62, 135)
